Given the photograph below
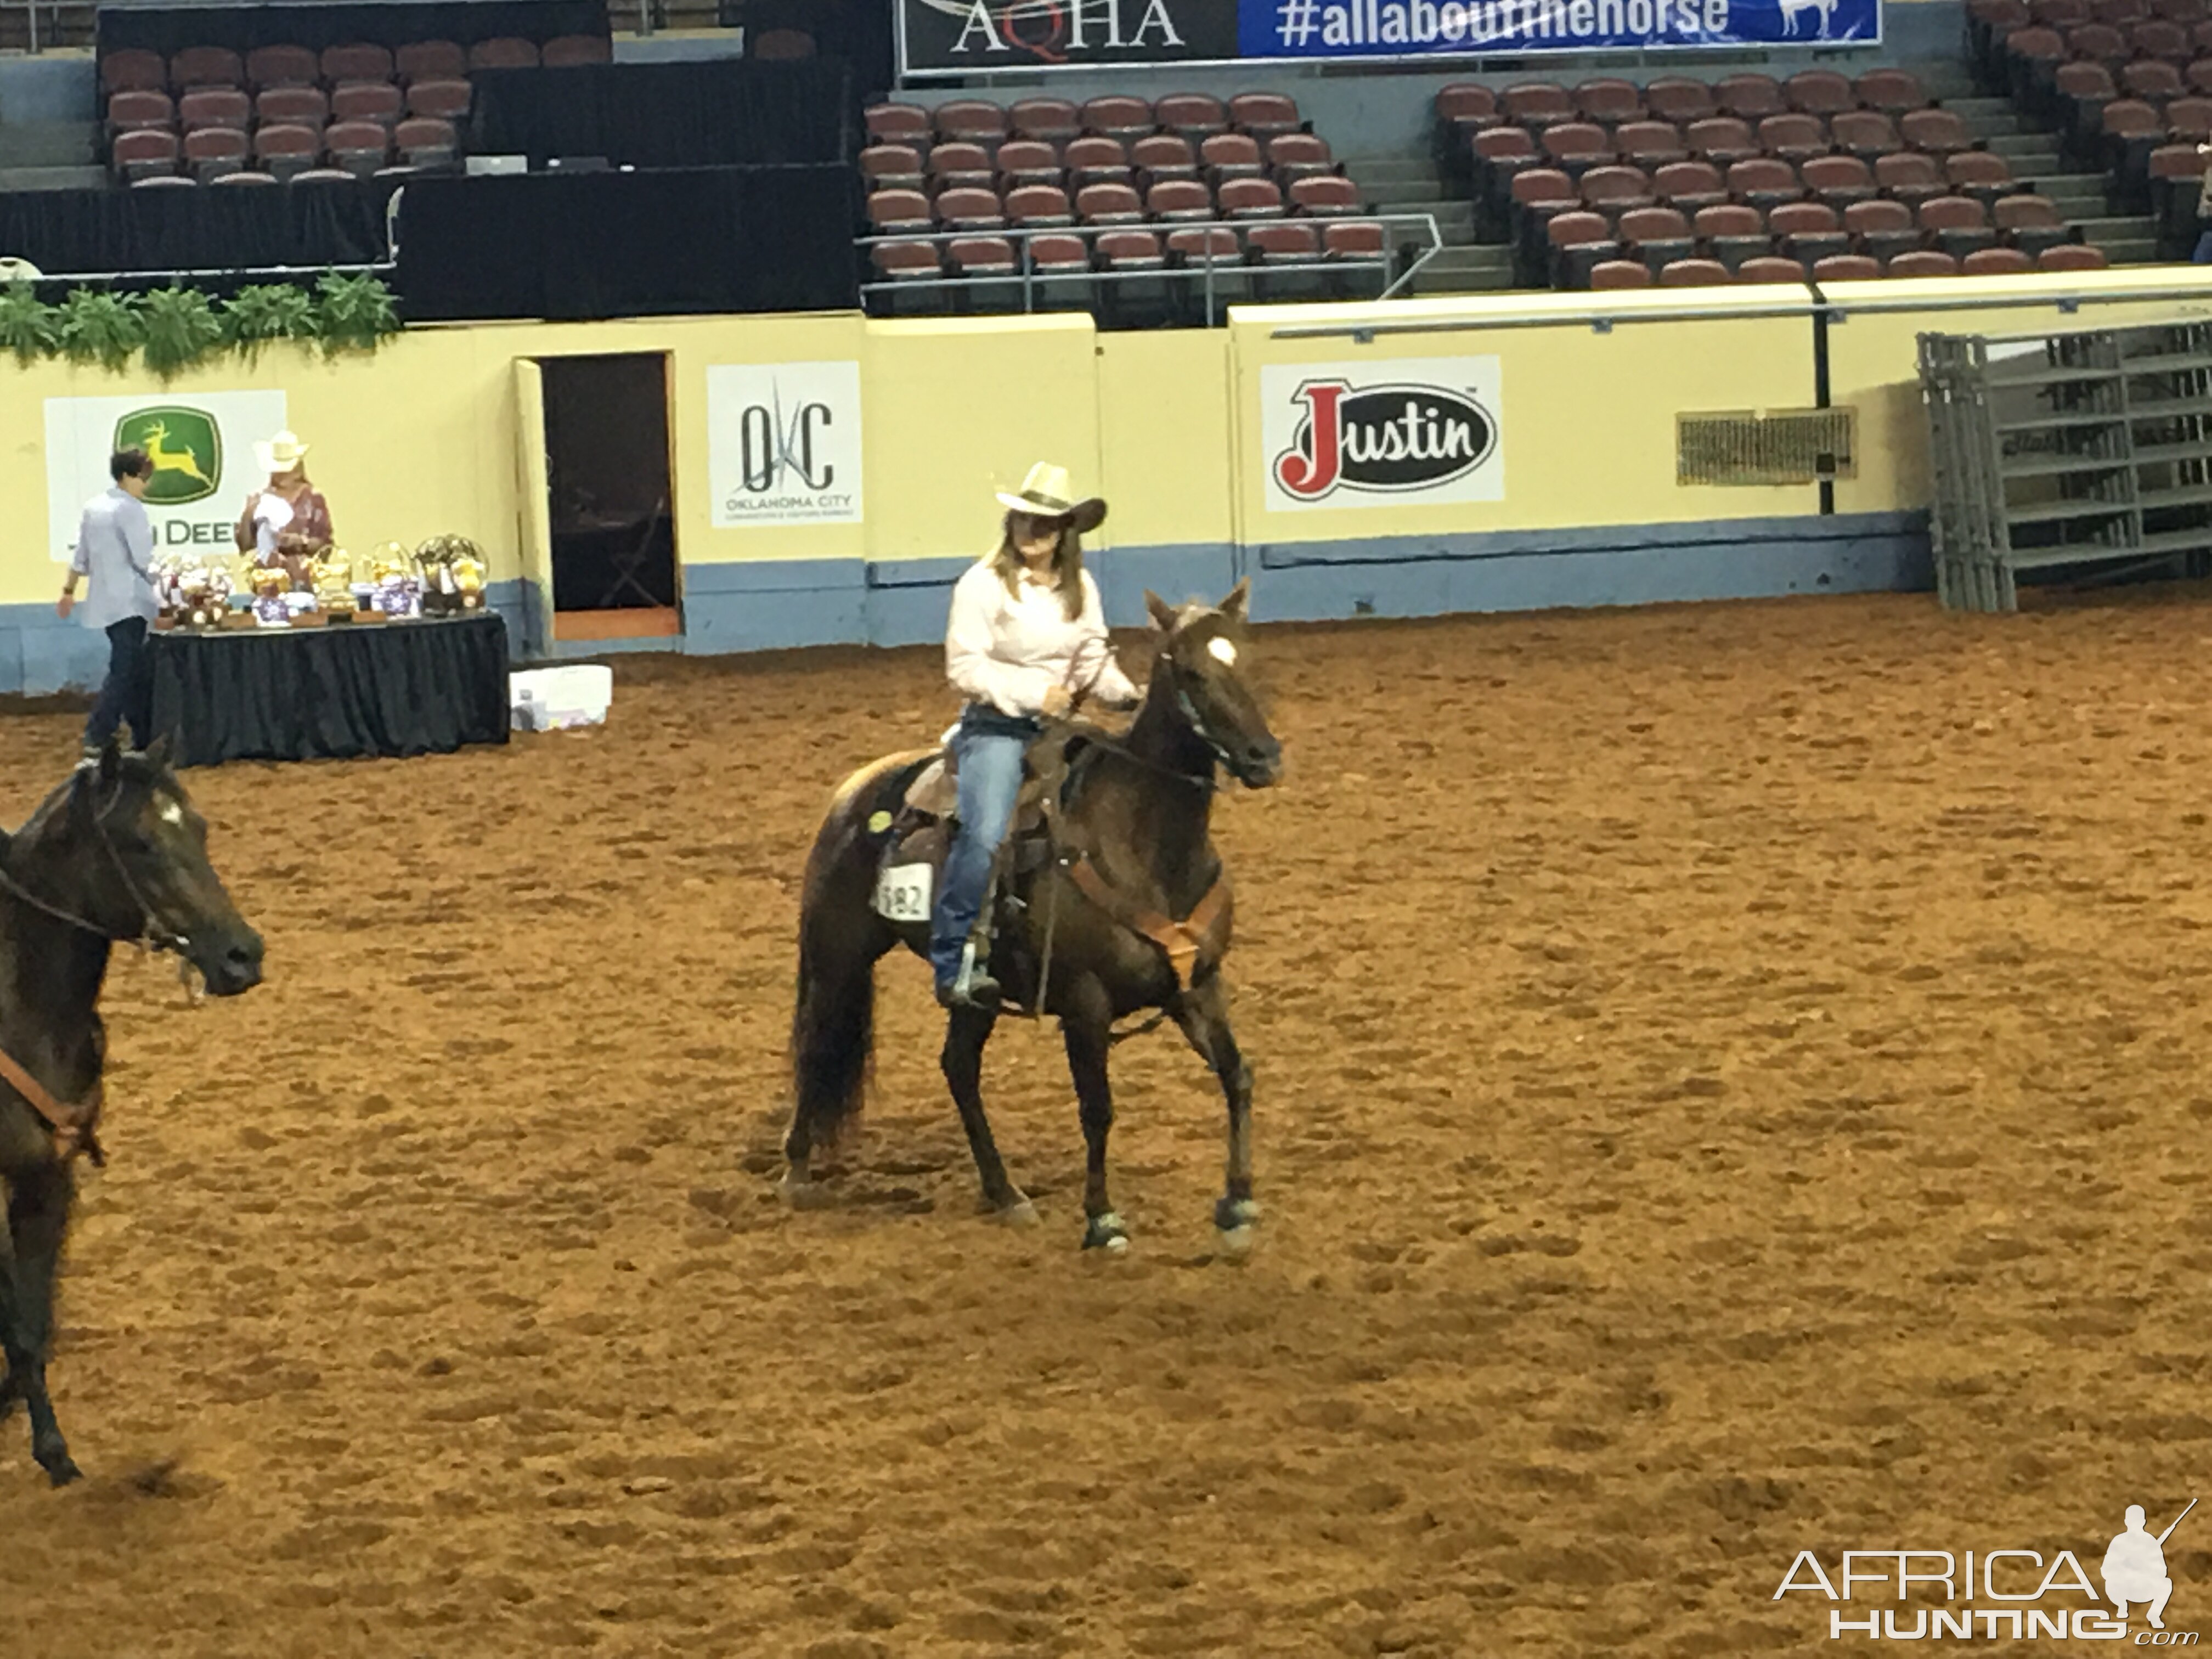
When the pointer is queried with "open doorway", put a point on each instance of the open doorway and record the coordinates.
(608, 497)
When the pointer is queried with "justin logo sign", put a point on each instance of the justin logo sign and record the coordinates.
(783, 443)
(193, 498)
(1999, 1595)
(1381, 433)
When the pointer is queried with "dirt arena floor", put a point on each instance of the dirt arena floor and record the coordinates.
(1732, 1080)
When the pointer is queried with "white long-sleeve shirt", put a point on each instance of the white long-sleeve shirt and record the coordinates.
(1008, 649)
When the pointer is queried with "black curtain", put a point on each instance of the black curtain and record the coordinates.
(718, 112)
(330, 693)
(588, 245)
(170, 29)
(238, 227)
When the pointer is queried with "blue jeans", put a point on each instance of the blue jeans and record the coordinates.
(127, 693)
(2204, 254)
(989, 766)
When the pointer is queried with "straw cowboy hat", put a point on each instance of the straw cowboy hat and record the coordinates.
(280, 453)
(1047, 494)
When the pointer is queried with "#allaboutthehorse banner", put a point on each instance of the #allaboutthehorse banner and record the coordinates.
(982, 37)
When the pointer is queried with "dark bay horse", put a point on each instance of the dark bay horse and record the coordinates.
(1130, 911)
(117, 854)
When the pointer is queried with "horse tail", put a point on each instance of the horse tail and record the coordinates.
(840, 938)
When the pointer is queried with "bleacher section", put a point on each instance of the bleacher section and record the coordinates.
(1746, 179)
(2126, 84)
(1145, 212)
(208, 115)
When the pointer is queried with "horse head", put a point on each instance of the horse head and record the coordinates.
(1201, 649)
(149, 876)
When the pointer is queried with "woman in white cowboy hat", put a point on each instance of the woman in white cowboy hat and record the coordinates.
(287, 522)
(1027, 639)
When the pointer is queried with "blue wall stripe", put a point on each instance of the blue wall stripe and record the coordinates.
(778, 605)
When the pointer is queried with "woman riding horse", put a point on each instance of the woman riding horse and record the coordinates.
(1130, 909)
(1027, 637)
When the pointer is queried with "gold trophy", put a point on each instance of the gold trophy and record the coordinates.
(332, 571)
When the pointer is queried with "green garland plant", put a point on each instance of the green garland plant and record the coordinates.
(27, 328)
(175, 329)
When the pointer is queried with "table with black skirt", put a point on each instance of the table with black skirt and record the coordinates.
(331, 692)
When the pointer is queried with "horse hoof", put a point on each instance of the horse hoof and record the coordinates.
(1232, 1213)
(804, 1195)
(1236, 1242)
(1106, 1232)
(61, 1472)
(1020, 1214)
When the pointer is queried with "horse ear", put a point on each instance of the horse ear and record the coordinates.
(1233, 606)
(1164, 615)
(111, 759)
(158, 751)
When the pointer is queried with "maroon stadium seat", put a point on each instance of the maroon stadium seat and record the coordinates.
(205, 66)
(425, 141)
(362, 101)
(133, 70)
(283, 149)
(215, 106)
(144, 154)
(298, 107)
(446, 100)
(431, 60)
(281, 66)
(361, 62)
(211, 152)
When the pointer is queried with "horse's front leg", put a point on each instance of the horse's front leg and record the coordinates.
(1203, 1014)
(1086, 1022)
(37, 1219)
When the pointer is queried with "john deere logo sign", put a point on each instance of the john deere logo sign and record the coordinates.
(184, 446)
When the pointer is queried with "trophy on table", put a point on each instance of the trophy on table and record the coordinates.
(397, 586)
(331, 571)
(453, 576)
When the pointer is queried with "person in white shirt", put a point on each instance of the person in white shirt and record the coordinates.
(1026, 642)
(115, 552)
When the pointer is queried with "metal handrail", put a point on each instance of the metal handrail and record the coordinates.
(378, 268)
(1030, 276)
(1815, 302)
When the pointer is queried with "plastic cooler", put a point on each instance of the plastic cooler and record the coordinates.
(556, 699)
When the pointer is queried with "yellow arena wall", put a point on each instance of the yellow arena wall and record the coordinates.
(1190, 436)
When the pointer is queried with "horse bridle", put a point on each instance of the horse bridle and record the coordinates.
(152, 934)
(1208, 782)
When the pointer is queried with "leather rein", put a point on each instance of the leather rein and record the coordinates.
(74, 1125)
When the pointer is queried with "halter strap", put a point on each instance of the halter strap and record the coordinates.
(75, 1128)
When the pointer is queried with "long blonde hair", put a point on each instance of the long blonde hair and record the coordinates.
(1066, 564)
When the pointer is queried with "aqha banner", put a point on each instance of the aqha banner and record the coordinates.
(1408, 432)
